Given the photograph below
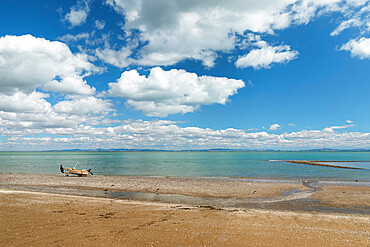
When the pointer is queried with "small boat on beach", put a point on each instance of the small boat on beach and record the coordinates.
(73, 171)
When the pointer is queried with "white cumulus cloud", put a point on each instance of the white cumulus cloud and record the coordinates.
(170, 135)
(265, 56)
(174, 91)
(27, 63)
(78, 13)
(21, 102)
(119, 58)
(358, 47)
(83, 105)
(176, 30)
(27, 114)
(274, 127)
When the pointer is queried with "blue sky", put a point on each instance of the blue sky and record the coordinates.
(184, 74)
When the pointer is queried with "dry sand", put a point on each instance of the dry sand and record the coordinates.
(44, 219)
(37, 219)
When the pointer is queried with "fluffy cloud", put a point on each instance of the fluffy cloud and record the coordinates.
(265, 56)
(21, 102)
(82, 106)
(27, 63)
(78, 13)
(76, 17)
(117, 58)
(176, 30)
(169, 135)
(358, 47)
(70, 85)
(274, 127)
(31, 114)
(174, 91)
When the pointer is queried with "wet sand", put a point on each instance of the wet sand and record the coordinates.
(344, 196)
(275, 218)
(203, 187)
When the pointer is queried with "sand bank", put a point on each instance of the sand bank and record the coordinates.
(41, 219)
(203, 187)
(218, 192)
(49, 211)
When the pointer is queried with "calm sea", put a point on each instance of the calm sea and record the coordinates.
(191, 164)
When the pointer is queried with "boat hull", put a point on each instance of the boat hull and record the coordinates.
(77, 172)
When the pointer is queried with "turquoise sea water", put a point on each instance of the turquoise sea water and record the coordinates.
(191, 164)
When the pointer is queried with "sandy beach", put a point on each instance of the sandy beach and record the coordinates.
(69, 211)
